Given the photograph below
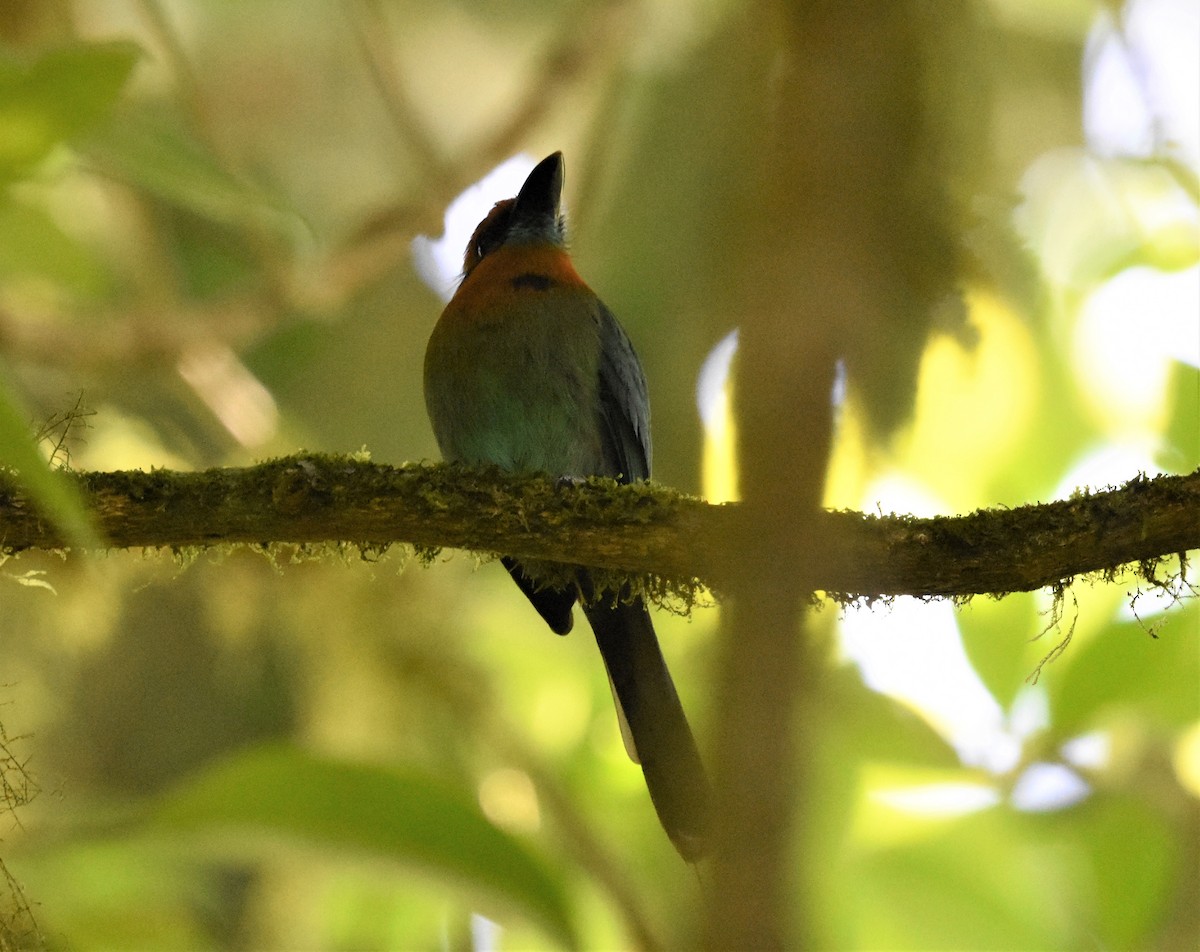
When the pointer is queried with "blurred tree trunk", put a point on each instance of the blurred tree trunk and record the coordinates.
(828, 273)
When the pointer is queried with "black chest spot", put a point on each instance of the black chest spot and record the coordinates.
(532, 282)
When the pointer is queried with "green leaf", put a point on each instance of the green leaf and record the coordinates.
(51, 491)
(283, 794)
(1125, 668)
(157, 154)
(996, 636)
(92, 894)
(1182, 453)
(45, 102)
(32, 244)
(881, 729)
(975, 883)
(1125, 864)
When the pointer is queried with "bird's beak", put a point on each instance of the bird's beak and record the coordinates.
(539, 198)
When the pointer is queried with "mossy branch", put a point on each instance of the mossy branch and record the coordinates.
(639, 530)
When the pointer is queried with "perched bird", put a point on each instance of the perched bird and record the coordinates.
(528, 370)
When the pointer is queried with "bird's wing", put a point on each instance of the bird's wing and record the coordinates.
(624, 404)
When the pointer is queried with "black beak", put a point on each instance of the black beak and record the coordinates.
(539, 198)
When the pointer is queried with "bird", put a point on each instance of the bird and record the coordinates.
(527, 369)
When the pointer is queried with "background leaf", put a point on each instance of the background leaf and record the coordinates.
(56, 96)
(367, 811)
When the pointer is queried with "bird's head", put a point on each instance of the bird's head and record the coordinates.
(532, 218)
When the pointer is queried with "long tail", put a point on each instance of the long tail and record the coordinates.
(649, 705)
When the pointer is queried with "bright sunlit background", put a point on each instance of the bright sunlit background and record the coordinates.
(226, 232)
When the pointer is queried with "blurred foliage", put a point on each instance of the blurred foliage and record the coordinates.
(205, 216)
(46, 102)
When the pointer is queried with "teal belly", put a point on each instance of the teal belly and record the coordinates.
(521, 397)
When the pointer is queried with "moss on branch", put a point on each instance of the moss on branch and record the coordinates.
(646, 530)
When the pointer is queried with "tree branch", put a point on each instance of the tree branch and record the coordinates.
(630, 529)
